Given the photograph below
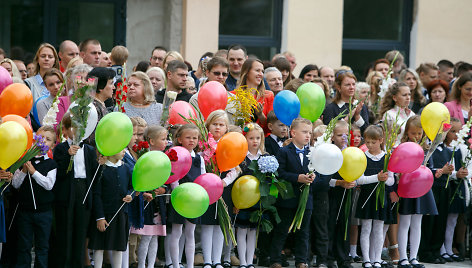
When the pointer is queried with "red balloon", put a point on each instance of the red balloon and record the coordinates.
(183, 108)
(5, 78)
(212, 96)
(24, 124)
(231, 151)
(212, 184)
(182, 166)
(416, 183)
(16, 99)
(406, 158)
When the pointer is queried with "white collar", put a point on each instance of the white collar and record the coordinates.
(192, 153)
(340, 103)
(46, 157)
(273, 137)
(110, 164)
(375, 157)
(253, 157)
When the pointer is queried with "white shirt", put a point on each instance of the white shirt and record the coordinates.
(373, 178)
(359, 122)
(280, 143)
(403, 116)
(47, 182)
(79, 162)
(300, 154)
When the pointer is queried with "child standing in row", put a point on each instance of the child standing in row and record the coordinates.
(371, 211)
(186, 136)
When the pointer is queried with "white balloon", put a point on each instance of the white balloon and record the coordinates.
(92, 120)
(326, 159)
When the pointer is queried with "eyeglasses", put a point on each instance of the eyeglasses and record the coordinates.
(220, 73)
(343, 72)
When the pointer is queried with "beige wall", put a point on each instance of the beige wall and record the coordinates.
(312, 30)
(441, 30)
(200, 29)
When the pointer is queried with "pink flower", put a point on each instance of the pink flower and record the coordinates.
(446, 127)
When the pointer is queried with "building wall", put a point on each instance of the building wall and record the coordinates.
(313, 31)
(441, 30)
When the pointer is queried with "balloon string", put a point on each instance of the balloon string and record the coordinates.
(13, 218)
(91, 183)
(394, 203)
(150, 202)
(339, 211)
(32, 192)
(216, 211)
(370, 194)
(122, 205)
(8, 184)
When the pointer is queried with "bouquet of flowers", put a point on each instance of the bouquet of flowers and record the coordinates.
(208, 146)
(387, 81)
(169, 99)
(440, 135)
(38, 148)
(244, 103)
(265, 170)
(50, 118)
(461, 135)
(79, 113)
(120, 94)
(464, 164)
(141, 148)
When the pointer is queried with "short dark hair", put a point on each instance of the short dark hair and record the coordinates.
(271, 117)
(445, 64)
(158, 48)
(463, 68)
(103, 74)
(308, 68)
(215, 62)
(83, 45)
(238, 47)
(142, 66)
(176, 64)
(282, 64)
(66, 121)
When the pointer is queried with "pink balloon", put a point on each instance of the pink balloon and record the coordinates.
(212, 184)
(5, 78)
(182, 166)
(183, 108)
(406, 158)
(211, 97)
(416, 183)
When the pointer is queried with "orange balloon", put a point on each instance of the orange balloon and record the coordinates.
(16, 99)
(24, 124)
(231, 151)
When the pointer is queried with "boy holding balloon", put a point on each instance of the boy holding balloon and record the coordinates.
(293, 167)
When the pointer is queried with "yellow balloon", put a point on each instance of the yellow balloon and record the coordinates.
(433, 117)
(13, 140)
(245, 193)
(354, 164)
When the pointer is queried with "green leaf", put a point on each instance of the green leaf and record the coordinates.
(285, 189)
(264, 188)
(274, 191)
(266, 225)
(253, 166)
(255, 215)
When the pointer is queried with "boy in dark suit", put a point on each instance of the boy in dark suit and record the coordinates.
(72, 217)
(278, 134)
(293, 167)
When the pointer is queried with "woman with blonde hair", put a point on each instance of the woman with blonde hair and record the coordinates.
(157, 77)
(170, 56)
(411, 78)
(140, 99)
(10, 66)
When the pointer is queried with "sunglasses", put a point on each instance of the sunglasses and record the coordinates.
(220, 73)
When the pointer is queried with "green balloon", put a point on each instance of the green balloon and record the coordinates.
(113, 133)
(190, 200)
(312, 101)
(151, 171)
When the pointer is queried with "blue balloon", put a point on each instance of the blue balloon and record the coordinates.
(286, 106)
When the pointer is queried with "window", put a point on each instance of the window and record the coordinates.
(25, 24)
(255, 24)
(373, 28)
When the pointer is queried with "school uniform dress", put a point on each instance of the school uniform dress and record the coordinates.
(293, 161)
(72, 216)
(108, 193)
(3, 234)
(151, 219)
(458, 203)
(197, 169)
(34, 216)
(433, 227)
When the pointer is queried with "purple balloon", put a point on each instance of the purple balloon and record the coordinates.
(5, 78)
(406, 158)
(416, 183)
(182, 166)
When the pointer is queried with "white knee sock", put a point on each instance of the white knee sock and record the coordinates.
(227, 250)
(365, 241)
(206, 238)
(97, 258)
(241, 239)
(218, 241)
(189, 243)
(451, 225)
(403, 227)
(152, 252)
(251, 245)
(143, 250)
(167, 249)
(181, 245)
(116, 259)
(174, 244)
(125, 257)
(353, 250)
(378, 239)
(415, 236)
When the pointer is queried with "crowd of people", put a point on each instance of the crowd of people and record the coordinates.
(47, 208)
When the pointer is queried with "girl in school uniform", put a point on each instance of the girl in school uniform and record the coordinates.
(370, 210)
(111, 189)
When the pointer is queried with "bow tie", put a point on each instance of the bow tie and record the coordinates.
(300, 150)
(281, 139)
(38, 160)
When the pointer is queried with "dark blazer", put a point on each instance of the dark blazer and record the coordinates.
(271, 146)
(289, 169)
(64, 186)
(332, 110)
